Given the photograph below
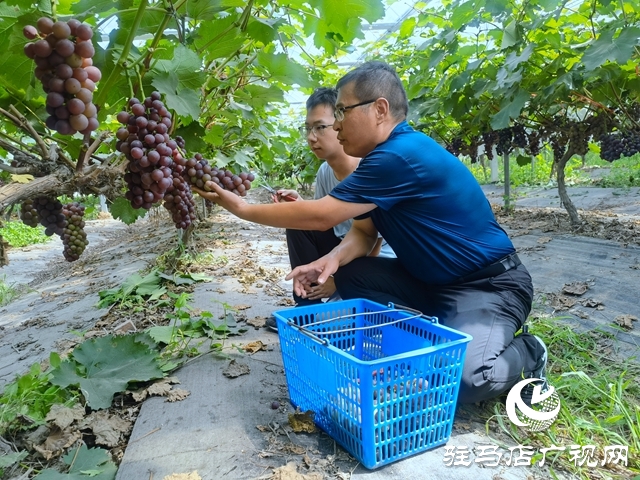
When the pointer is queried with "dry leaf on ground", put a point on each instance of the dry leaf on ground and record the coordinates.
(591, 303)
(575, 288)
(177, 395)
(302, 422)
(254, 347)
(562, 302)
(257, 322)
(543, 240)
(107, 428)
(235, 369)
(183, 476)
(64, 416)
(626, 321)
(241, 307)
(290, 472)
(57, 442)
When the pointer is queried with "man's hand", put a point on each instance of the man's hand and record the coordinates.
(318, 292)
(317, 272)
(286, 196)
(226, 199)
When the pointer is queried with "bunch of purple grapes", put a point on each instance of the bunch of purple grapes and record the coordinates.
(151, 152)
(74, 238)
(179, 202)
(63, 55)
(199, 173)
(29, 213)
(50, 215)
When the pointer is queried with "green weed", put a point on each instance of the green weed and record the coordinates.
(8, 292)
(17, 234)
(25, 402)
(600, 399)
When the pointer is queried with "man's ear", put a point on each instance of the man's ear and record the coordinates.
(382, 108)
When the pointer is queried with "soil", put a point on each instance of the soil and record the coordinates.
(61, 296)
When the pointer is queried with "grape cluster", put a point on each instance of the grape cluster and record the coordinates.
(179, 202)
(29, 214)
(519, 136)
(63, 54)
(50, 215)
(150, 150)
(74, 238)
(489, 139)
(504, 143)
(202, 175)
(619, 144)
(455, 147)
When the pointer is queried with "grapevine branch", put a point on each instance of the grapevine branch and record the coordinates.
(24, 124)
(15, 170)
(95, 145)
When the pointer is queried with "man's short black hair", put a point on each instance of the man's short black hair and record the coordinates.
(323, 96)
(373, 80)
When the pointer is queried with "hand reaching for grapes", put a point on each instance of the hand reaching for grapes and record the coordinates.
(314, 275)
(226, 199)
(283, 196)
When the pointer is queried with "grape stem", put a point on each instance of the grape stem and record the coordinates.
(23, 123)
(120, 64)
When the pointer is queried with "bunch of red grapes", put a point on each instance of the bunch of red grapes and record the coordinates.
(63, 220)
(62, 52)
(146, 144)
(199, 173)
(74, 238)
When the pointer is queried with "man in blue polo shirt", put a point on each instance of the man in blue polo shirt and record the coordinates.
(453, 259)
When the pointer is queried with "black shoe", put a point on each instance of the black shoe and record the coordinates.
(540, 372)
(271, 324)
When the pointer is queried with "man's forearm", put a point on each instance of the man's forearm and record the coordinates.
(354, 245)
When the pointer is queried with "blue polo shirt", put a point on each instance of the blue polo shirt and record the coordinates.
(431, 210)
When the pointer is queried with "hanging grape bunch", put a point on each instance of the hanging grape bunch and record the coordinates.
(50, 215)
(29, 213)
(146, 144)
(199, 173)
(74, 238)
(63, 54)
(619, 144)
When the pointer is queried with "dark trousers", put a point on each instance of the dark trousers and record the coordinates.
(306, 246)
(491, 310)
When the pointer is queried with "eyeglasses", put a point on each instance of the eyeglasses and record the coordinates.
(338, 114)
(317, 130)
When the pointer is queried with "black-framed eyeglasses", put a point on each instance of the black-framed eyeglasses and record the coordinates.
(317, 130)
(338, 114)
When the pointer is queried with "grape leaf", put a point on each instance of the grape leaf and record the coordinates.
(186, 65)
(121, 209)
(511, 108)
(85, 463)
(186, 103)
(8, 459)
(284, 70)
(219, 38)
(605, 47)
(107, 364)
(99, 6)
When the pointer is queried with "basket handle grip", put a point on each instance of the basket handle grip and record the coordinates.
(308, 333)
(414, 311)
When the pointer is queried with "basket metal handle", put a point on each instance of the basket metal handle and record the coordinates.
(392, 308)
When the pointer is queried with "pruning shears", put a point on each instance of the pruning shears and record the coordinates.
(274, 192)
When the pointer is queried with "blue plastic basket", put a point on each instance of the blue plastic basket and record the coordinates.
(382, 381)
